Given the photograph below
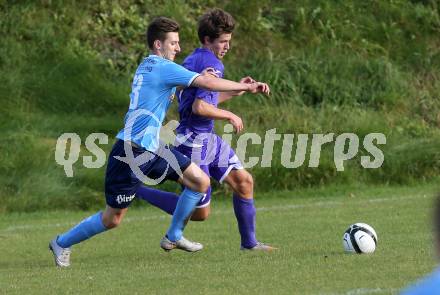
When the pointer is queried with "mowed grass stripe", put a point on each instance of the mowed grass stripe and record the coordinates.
(312, 203)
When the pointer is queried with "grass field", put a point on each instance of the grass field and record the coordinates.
(333, 66)
(307, 227)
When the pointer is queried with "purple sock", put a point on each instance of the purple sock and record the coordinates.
(163, 200)
(245, 212)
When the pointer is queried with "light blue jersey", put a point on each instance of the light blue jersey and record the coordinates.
(152, 92)
(428, 286)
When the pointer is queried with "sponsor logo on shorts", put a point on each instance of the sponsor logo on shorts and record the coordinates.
(124, 198)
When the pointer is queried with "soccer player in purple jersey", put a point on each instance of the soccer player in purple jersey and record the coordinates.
(198, 109)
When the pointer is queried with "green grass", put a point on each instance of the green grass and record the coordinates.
(306, 225)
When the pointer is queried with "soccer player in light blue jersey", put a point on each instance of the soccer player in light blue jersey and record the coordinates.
(430, 285)
(138, 156)
(198, 108)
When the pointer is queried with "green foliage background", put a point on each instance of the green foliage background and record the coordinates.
(334, 66)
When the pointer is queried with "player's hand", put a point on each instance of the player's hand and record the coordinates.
(247, 80)
(209, 72)
(259, 87)
(244, 80)
(265, 88)
(236, 122)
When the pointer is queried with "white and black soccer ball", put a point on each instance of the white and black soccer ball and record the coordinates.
(360, 238)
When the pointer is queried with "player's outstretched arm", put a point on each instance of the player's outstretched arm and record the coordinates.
(263, 88)
(217, 84)
(227, 95)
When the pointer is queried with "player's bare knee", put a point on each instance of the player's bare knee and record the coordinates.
(249, 181)
(203, 183)
(111, 220)
(245, 185)
(195, 179)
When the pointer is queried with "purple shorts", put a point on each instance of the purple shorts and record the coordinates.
(214, 156)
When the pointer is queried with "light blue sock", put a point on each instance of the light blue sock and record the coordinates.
(82, 231)
(185, 206)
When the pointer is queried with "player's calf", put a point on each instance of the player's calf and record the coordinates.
(201, 214)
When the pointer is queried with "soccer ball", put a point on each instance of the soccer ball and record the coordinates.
(359, 238)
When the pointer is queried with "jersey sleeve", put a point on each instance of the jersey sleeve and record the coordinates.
(208, 96)
(176, 75)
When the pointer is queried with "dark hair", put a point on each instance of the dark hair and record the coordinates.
(214, 23)
(158, 28)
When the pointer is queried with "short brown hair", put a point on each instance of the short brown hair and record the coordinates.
(214, 23)
(158, 28)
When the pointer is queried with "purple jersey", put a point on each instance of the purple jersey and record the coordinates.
(197, 61)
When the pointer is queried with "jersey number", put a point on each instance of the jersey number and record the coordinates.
(137, 83)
